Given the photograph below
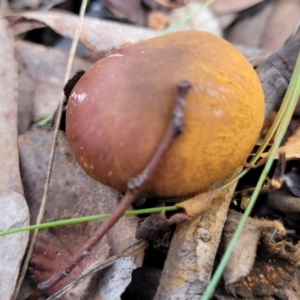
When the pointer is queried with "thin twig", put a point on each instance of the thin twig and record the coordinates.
(50, 165)
(135, 189)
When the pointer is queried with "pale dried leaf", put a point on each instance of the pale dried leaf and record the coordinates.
(248, 31)
(116, 279)
(291, 147)
(132, 10)
(275, 270)
(4, 7)
(279, 26)
(224, 7)
(19, 5)
(242, 258)
(98, 35)
(193, 248)
(14, 211)
(226, 20)
(40, 81)
(198, 204)
(8, 112)
(267, 27)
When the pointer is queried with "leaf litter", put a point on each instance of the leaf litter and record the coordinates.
(14, 211)
(71, 194)
(28, 21)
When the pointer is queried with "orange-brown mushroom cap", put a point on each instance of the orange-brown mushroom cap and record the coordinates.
(119, 110)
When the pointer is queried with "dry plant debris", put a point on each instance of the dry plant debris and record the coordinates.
(193, 248)
(72, 194)
(14, 211)
(40, 81)
(98, 35)
(263, 25)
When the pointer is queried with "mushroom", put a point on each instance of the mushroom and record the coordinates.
(120, 109)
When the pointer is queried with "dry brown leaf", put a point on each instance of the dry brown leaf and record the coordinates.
(20, 5)
(199, 203)
(132, 10)
(98, 35)
(291, 148)
(72, 193)
(4, 7)
(267, 25)
(40, 81)
(14, 211)
(283, 20)
(54, 246)
(223, 7)
(275, 270)
(247, 31)
(242, 258)
(190, 259)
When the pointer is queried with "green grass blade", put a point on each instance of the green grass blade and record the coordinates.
(291, 97)
(87, 219)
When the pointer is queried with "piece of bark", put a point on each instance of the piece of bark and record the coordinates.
(190, 260)
(14, 211)
(275, 74)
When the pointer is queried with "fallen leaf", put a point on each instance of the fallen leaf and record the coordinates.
(132, 10)
(266, 25)
(198, 204)
(98, 35)
(72, 193)
(250, 23)
(225, 7)
(291, 148)
(275, 270)
(14, 211)
(4, 7)
(53, 248)
(242, 258)
(20, 5)
(279, 27)
(40, 81)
